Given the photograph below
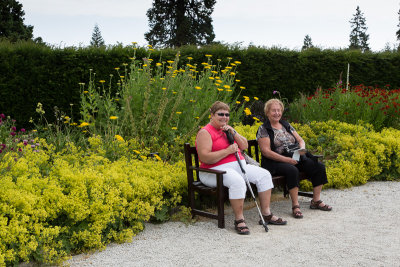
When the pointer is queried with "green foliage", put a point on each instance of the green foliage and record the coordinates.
(159, 101)
(307, 43)
(358, 35)
(376, 106)
(12, 25)
(174, 23)
(34, 73)
(97, 40)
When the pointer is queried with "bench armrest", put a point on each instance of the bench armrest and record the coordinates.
(207, 170)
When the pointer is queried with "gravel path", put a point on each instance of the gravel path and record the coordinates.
(361, 230)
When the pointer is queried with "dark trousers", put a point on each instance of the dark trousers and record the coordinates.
(314, 170)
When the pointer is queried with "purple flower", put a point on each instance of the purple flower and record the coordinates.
(12, 133)
(4, 146)
(2, 116)
(25, 142)
(275, 92)
(37, 144)
(13, 128)
(1, 151)
(23, 130)
(33, 146)
(20, 149)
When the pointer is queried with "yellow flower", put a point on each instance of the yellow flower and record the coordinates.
(179, 112)
(85, 92)
(229, 58)
(122, 77)
(228, 90)
(227, 86)
(134, 43)
(83, 124)
(73, 124)
(67, 118)
(238, 62)
(164, 88)
(34, 131)
(217, 84)
(197, 118)
(158, 64)
(237, 102)
(256, 119)
(136, 151)
(170, 61)
(220, 89)
(118, 137)
(237, 81)
(102, 81)
(149, 46)
(190, 58)
(157, 157)
(256, 98)
(144, 65)
(211, 78)
(197, 88)
(143, 157)
(113, 117)
(232, 74)
(247, 111)
(174, 128)
(116, 68)
(242, 87)
(84, 131)
(208, 55)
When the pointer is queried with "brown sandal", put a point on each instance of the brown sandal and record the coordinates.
(297, 214)
(267, 219)
(315, 205)
(239, 229)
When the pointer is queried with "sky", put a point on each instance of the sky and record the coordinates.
(267, 23)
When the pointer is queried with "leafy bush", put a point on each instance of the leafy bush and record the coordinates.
(159, 101)
(379, 107)
(54, 204)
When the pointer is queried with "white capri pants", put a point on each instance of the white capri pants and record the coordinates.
(234, 179)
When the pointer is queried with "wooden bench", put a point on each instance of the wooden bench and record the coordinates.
(221, 192)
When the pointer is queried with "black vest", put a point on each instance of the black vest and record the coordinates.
(267, 163)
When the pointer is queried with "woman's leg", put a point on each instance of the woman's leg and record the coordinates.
(291, 174)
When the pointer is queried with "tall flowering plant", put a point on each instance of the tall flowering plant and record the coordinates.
(162, 101)
(377, 106)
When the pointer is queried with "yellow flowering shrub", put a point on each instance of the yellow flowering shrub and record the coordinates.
(353, 154)
(54, 204)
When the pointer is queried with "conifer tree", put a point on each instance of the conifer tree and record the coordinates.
(174, 23)
(358, 35)
(97, 39)
(12, 25)
(307, 43)
(398, 31)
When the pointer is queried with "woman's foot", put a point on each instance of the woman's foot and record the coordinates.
(241, 228)
(297, 212)
(272, 219)
(320, 205)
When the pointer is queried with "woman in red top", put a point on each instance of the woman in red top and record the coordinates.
(215, 152)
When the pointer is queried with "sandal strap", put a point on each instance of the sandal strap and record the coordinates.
(239, 221)
(295, 207)
(268, 217)
(242, 227)
(316, 203)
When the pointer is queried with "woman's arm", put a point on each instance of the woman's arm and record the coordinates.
(204, 147)
(265, 146)
(240, 140)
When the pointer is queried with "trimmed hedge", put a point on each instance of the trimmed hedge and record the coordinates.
(32, 73)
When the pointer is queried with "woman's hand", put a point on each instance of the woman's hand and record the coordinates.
(227, 127)
(291, 161)
(232, 148)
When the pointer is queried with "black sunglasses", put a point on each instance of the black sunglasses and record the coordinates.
(222, 114)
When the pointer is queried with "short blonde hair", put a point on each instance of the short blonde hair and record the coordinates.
(219, 105)
(270, 102)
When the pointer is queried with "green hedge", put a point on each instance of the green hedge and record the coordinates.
(32, 73)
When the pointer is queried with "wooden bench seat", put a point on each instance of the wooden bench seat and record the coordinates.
(221, 192)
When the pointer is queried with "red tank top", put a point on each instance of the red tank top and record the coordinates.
(219, 141)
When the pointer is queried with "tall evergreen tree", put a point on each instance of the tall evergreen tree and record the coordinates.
(398, 31)
(174, 23)
(307, 43)
(12, 25)
(358, 35)
(97, 39)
